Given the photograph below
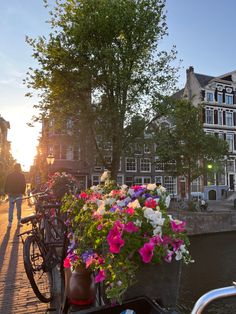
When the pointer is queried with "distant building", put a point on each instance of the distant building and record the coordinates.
(4, 143)
(217, 95)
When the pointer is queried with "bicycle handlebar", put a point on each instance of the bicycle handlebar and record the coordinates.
(39, 194)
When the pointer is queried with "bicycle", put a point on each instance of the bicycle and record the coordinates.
(42, 248)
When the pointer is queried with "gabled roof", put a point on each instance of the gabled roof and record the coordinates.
(179, 94)
(203, 79)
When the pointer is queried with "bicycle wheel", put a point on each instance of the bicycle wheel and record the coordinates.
(39, 278)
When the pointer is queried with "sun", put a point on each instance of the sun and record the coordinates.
(23, 147)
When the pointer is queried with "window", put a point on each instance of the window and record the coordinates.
(107, 160)
(229, 118)
(229, 99)
(220, 117)
(131, 164)
(159, 166)
(209, 96)
(229, 139)
(76, 153)
(221, 135)
(142, 180)
(158, 180)
(120, 180)
(147, 149)
(95, 180)
(63, 151)
(209, 116)
(97, 164)
(145, 165)
(230, 166)
(129, 181)
(220, 98)
(69, 153)
(170, 184)
(195, 185)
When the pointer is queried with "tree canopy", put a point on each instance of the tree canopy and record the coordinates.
(102, 65)
(183, 145)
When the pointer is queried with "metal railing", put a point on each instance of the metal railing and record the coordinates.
(212, 295)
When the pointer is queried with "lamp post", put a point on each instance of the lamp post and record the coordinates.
(50, 161)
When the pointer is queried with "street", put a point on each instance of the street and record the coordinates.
(16, 295)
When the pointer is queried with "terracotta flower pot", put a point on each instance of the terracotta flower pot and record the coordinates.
(79, 286)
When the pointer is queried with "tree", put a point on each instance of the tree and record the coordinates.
(101, 66)
(183, 145)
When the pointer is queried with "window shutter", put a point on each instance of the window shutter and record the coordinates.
(215, 117)
(203, 115)
(216, 95)
(234, 115)
(203, 94)
(223, 96)
(234, 141)
(223, 117)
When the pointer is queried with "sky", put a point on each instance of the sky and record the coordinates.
(202, 30)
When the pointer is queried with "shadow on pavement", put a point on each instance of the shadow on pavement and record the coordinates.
(10, 280)
(3, 247)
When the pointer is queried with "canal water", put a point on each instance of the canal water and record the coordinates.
(214, 267)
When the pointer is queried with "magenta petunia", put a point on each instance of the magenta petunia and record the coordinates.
(129, 211)
(146, 252)
(115, 243)
(100, 276)
(168, 257)
(177, 225)
(66, 263)
(177, 243)
(130, 227)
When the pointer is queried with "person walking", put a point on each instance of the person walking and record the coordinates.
(15, 187)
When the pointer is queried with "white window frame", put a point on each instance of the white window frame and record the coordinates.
(133, 161)
(227, 97)
(95, 179)
(209, 116)
(220, 117)
(220, 95)
(159, 166)
(158, 179)
(229, 118)
(120, 179)
(145, 165)
(171, 187)
(209, 96)
(230, 141)
(143, 180)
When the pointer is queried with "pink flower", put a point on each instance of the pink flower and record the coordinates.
(177, 243)
(151, 203)
(178, 225)
(168, 257)
(130, 227)
(157, 240)
(115, 243)
(100, 276)
(66, 263)
(99, 227)
(136, 187)
(129, 211)
(146, 252)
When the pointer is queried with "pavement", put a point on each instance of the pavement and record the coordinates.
(16, 294)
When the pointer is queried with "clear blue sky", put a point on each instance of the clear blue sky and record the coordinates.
(202, 30)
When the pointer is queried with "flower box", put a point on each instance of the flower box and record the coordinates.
(125, 235)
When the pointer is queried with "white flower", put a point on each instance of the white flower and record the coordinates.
(167, 201)
(134, 204)
(138, 223)
(151, 186)
(110, 201)
(157, 230)
(148, 212)
(131, 192)
(105, 176)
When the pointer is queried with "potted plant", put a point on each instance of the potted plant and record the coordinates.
(114, 230)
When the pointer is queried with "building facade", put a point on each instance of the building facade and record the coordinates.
(73, 151)
(217, 96)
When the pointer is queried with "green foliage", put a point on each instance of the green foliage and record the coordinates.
(183, 145)
(101, 65)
